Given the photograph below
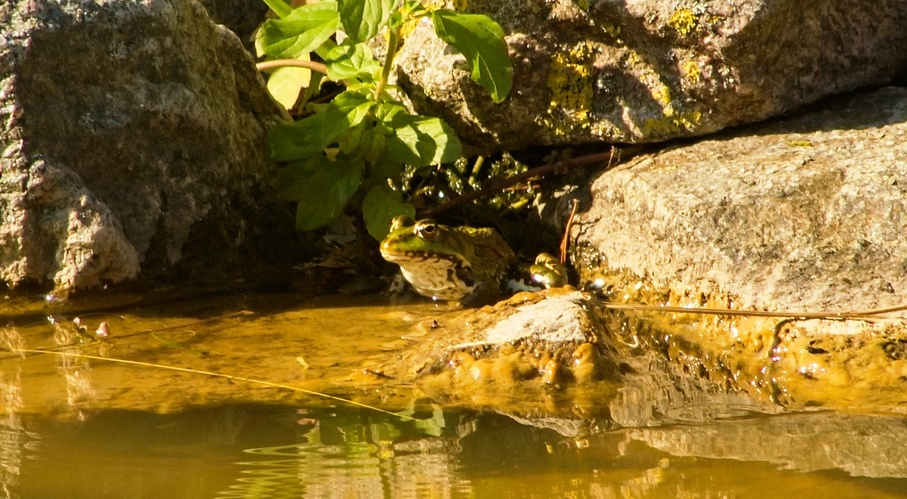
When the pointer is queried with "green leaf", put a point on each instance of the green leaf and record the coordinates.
(372, 144)
(355, 105)
(351, 141)
(389, 165)
(291, 179)
(346, 62)
(320, 187)
(388, 110)
(362, 19)
(307, 137)
(481, 41)
(279, 7)
(286, 83)
(429, 141)
(379, 208)
(301, 32)
(289, 141)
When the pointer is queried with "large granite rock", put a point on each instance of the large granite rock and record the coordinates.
(651, 70)
(805, 216)
(242, 17)
(133, 137)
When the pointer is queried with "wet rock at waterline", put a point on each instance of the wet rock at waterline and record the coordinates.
(807, 214)
(133, 137)
(646, 71)
(552, 338)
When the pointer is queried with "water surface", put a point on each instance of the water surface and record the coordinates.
(79, 427)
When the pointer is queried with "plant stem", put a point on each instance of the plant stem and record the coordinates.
(296, 63)
(393, 44)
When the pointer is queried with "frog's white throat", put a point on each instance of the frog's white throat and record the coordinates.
(438, 278)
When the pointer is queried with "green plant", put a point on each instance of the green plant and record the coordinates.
(353, 149)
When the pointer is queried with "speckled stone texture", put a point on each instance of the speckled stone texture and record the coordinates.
(806, 215)
(651, 70)
(133, 143)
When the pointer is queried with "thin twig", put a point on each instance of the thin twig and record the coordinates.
(865, 314)
(216, 375)
(566, 239)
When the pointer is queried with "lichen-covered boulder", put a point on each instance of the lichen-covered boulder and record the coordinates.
(133, 138)
(805, 217)
(651, 70)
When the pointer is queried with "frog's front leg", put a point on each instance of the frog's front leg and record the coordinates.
(548, 271)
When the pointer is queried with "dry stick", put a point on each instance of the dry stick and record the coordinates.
(865, 314)
(500, 184)
(574, 204)
(216, 375)
(566, 239)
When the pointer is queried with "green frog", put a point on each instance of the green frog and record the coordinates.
(465, 264)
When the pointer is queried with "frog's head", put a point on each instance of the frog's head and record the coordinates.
(425, 240)
(432, 257)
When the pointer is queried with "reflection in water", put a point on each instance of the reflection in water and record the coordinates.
(254, 451)
(489, 455)
(15, 443)
(358, 455)
(121, 431)
(75, 369)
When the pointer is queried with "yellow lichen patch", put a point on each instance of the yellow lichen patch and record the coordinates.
(671, 120)
(571, 80)
(691, 72)
(671, 123)
(683, 21)
(662, 94)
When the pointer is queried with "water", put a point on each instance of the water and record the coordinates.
(72, 426)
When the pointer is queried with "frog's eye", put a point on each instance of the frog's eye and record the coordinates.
(427, 230)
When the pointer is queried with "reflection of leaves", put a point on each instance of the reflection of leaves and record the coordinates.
(321, 187)
(379, 208)
(481, 41)
(301, 32)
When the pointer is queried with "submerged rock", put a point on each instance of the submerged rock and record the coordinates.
(651, 70)
(133, 137)
(552, 338)
(805, 216)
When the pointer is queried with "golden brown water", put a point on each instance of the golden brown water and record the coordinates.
(77, 427)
